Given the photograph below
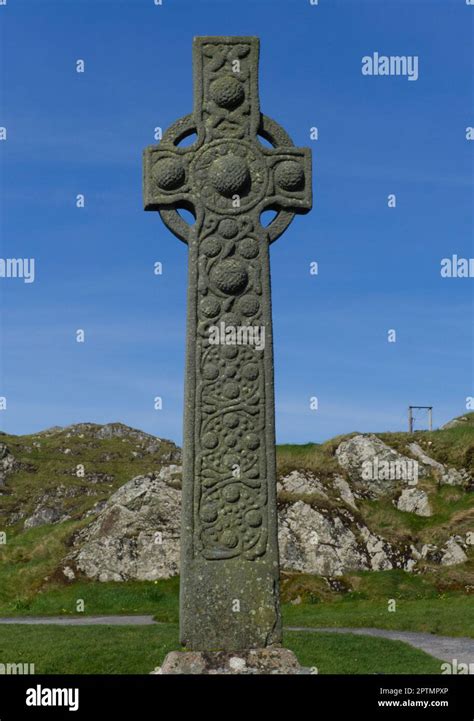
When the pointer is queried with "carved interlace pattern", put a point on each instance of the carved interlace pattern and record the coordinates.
(230, 176)
(230, 399)
(231, 463)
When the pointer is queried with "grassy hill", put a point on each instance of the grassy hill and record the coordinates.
(74, 470)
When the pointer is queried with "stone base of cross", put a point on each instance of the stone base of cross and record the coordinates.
(229, 597)
(270, 660)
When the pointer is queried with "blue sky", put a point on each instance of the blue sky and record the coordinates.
(379, 267)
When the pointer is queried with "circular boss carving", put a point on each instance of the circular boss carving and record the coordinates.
(230, 175)
(248, 248)
(228, 228)
(289, 175)
(229, 276)
(224, 169)
(211, 247)
(227, 92)
(169, 173)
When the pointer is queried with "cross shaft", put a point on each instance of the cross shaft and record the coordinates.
(229, 556)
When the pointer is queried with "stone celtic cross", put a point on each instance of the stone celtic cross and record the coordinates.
(226, 178)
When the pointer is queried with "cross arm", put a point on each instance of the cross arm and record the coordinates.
(166, 177)
(290, 179)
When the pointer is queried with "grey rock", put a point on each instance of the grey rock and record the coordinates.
(430, 552)
(375, 469)
(302, 483)
(414, 500)
(452, 553)
(344, 490)
(120, 430)
(329, 545)
(96, 509)
(453, 477)
(42, 516)
(418, 451)
(171, 474)
(379, 551)
(136, 534)
(51, 505)
(69, 573)
(8, 463)
(446, 476)
(15, 517)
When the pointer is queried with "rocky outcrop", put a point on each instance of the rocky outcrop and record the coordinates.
(375, 469)
(330, 543)
(331, 521)
(136, 535)
(51, 506)
(43, 516)
(305, 483)
(145, 443)
(446, 476)
(301, 483)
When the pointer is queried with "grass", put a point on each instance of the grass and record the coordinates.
(315, 457)
(452, 513)
(363, 602)
(138, 650)
(332, 653)
(30, 558)
(437, 600)
(159, 599)
(363, 585)
(449, 616)
(89, 649)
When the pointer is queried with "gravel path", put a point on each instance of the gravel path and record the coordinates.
(81, 620)
(446, 648)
